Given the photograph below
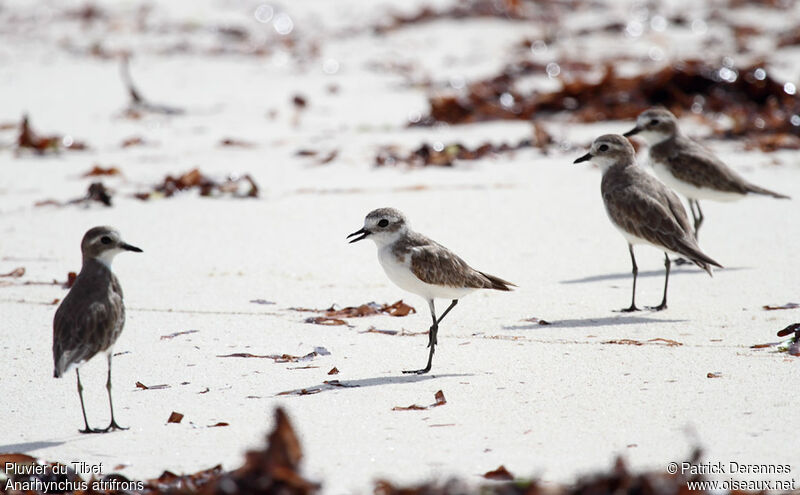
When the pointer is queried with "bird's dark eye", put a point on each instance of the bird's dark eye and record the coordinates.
(654, 122)
(105, 239)
(383, 223)
(603, 147)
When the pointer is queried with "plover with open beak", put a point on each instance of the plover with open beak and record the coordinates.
(422, 266)
(644, 210)
(91, 316)
(688, 167)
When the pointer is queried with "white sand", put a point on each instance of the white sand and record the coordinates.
(550, 401)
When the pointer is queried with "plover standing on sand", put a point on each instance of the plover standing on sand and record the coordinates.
(688, 167)
(643, 209)
(422, 266)
(91, 316)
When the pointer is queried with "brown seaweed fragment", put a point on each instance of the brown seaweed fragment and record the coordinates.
(236, 186)
(756, 104)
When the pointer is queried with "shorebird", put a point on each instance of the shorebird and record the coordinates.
(422, 266)
(688, 167)
(91, 316)
(643, 209)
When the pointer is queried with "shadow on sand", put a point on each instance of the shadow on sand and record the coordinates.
(368, 382)
(676, 270)
(591, 322)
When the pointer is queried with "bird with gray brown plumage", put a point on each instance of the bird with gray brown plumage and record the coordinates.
(91, 316)
(643, 209)
(422, 266)
(688, 167)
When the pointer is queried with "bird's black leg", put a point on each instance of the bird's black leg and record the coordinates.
(663, 304)
(432, 335)
(83, 408)
(698, 220)
(113, 425)
(635, 272)
(452, 305)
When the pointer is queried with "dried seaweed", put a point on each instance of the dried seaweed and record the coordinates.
(272, 470)
(175, 417)
(280, 358)
(536, 320)
(299, 101)
(322, 159)
(517, 10)
(790, 37)
(132, 141)
(657, 341)
(28, 139)
(175, 334)
(499, 474)
(195, 179)
(98, 170)
(333, 316)
(789, 305)
(325, 320)
(400, 333)
(97, 192)
(438, 398)
(236, 143)
(15, 273)
(443, 155)
(756, 103)
(142, 386)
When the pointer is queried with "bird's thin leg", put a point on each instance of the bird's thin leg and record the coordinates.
(113, 425)
(434, 326)
(698, 220)
(452, 305)
(431, 338)
(635, 272)
(663, 304)
(83, 408)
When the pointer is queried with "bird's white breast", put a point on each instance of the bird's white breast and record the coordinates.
(399, 272)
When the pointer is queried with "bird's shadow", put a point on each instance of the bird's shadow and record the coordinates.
(25, 447)
(676, 270)
(328, 385)
(592, 322)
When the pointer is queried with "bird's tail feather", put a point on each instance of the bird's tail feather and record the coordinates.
(760, 190)
(497, 283)
(700, 259)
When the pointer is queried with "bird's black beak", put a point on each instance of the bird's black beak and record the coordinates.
(128, 247)
(584, 158)
(632, 132)
(363, 232)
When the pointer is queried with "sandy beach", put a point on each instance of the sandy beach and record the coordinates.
(232, 275)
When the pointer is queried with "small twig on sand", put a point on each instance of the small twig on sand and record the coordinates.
(138, 103)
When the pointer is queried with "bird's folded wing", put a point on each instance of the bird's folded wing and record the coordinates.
(437, 265)
(697, 166)
(82, 328)
(650, 218)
